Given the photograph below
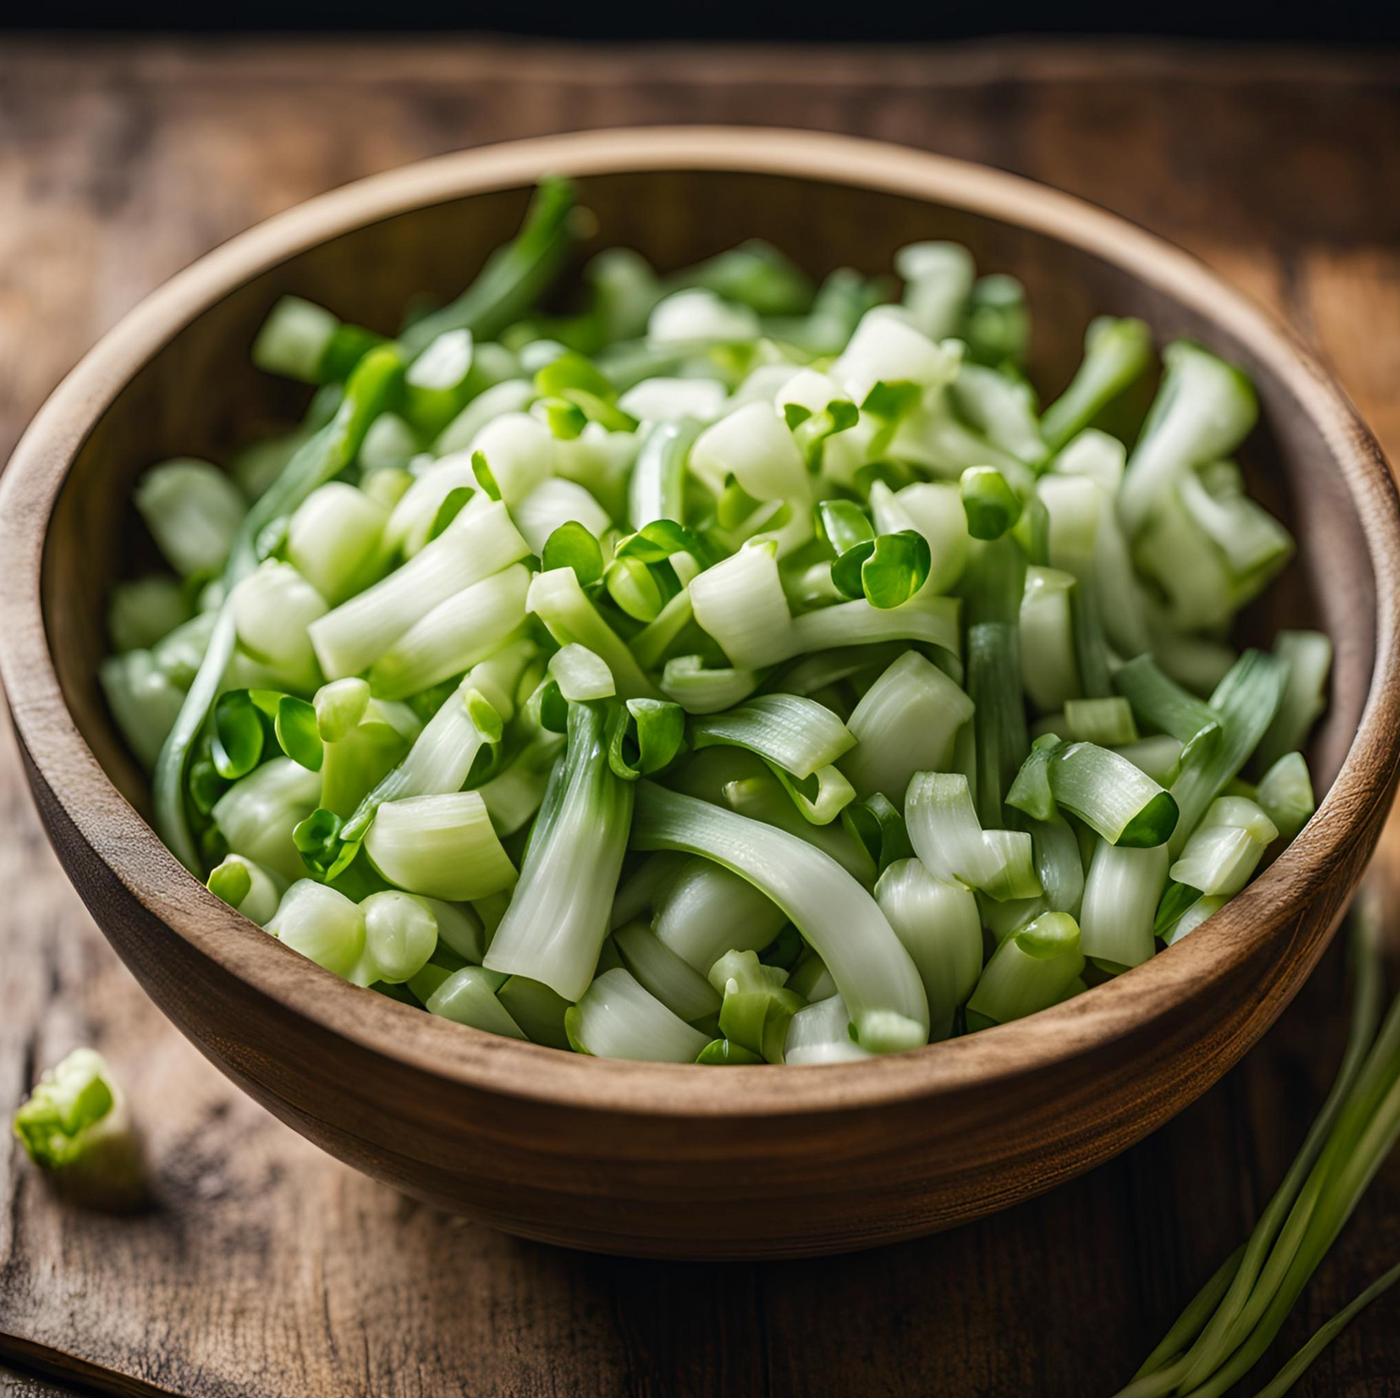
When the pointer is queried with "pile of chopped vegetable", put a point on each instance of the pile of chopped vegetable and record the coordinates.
(734, 670)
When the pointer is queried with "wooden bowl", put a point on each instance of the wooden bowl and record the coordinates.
(652, 1159)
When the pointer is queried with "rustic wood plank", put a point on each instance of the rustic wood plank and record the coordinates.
(267, 1268)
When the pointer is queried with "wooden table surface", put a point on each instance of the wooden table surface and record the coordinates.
(270, 1271)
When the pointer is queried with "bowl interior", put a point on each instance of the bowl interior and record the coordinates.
(200, 396)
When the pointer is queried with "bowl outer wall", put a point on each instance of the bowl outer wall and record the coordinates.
(617, 1156)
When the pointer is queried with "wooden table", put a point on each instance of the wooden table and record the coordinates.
(271, 1271)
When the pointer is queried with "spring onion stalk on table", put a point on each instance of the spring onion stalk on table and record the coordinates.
(719, 666)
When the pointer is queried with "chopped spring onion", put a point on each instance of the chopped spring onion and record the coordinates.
(442, 846)
(616, 1017)
(560, 911)
(834, 913)
(941, 929)
(1029, 971)
(772, 582)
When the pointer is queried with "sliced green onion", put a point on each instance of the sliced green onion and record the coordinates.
(468, 996)
(1029, 971)
(707, 910)
(674, 981)
(324, 926)
(1225, 847)
(838, 917)
(1107, 722)
(1116, 355)
(1286, 794)
(906, 722)
(401, 933)
(1120, 904)
(143, 611)
(1202, 412)
(193, 511)
(558, 599)
(821, 1033)
(947, 837)
(941, 929)
(480, 542)
(1308, 656)
(245, 885)
(333, 540)
(576, 847)
(442, 846)
(1116, 799)
(617, 1018)
(458, 633)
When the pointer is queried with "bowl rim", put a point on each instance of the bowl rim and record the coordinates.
(454, 1054)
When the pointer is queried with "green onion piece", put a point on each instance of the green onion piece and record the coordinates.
(479, 543)
(999, 724)
(1120, 904)
(938, 280)
(1030, 971)
(1245, 703)
(906, 722)
(822, 1033)
(1286, 794)
(1049, 669)
(258, 813)
(707, 910)
(668, 976)
(1203, 411)
(879, 826)
(577, 843)
(1001, 407)
(142, 611)
(468, 996)
(558, 599)
(844, 525)
(443, 846)
(401, 933)
(1107, 722)
(617, 1017)
(456, 635)
(947, 837)
(238, 734)
(1225, 848)
(574, 546)
(644, 736)
(838, 917)
(1116, 799)
(245, 885)
(297, 733)
(992, 507)
(333, 540)
(796, 734)
(580, 674)
(657, 488)
(700, 690)
(537, 1009)
(324, 926)
(1116, 355)
(1308, 656)
(1031, 792)
(194, 511)
(144, 700)
(76, 1127)
(941, 929)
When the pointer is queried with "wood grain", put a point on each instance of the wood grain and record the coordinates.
(182, 1302)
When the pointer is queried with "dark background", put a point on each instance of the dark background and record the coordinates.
(1351, 22)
